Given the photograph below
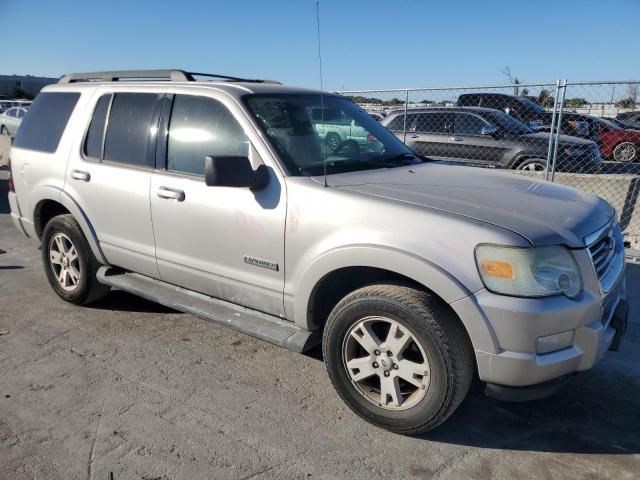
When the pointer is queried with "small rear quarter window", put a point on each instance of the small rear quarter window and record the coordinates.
(44, 123)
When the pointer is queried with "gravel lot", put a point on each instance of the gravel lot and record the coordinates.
(129, 388)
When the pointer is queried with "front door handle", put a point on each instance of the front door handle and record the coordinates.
(456, 139)
(80, 175)
(171, 193)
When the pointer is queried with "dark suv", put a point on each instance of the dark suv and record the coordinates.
(487, 137)
(532, 113)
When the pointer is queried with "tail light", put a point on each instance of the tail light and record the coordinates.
(10, 182)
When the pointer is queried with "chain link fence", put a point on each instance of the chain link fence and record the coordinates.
(582, 134)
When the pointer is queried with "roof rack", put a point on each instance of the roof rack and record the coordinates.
(169, 75)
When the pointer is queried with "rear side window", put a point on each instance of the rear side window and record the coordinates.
(128, 131)
(435, 122)
(43, 125)
(95, 134)
(398, 122)
(199, 127)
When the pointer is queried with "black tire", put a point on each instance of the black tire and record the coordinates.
(441, 335)
(332, 141)
(4, 130)
(532, 165)
(88, 288)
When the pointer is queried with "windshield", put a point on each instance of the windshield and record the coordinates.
(507, 123)
(610, 123)
(531, 106)
(308, 131)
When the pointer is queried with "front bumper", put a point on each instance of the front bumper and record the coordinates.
(597, 323)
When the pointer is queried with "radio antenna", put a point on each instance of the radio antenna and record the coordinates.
(324, 143)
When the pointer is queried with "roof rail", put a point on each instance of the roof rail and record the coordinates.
(169, 75)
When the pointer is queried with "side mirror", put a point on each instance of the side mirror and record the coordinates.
(234, 172)
(489, 130)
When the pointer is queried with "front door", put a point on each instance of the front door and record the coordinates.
(429, 136)
(220, 241)
(468, 144)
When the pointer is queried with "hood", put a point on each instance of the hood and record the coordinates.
(542, 212)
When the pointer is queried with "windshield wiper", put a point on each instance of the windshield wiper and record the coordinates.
(402, 157)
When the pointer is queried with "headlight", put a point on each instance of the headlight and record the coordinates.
(528, 272)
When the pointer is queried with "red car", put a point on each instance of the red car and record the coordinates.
(617, 143)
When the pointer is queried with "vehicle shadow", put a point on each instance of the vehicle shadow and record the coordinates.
(118, 300)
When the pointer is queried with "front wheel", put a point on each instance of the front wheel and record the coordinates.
(4, 130)
(532, 165)
(398, 357)
(69, 263)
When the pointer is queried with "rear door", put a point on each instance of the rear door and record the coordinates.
(429, 136)
(109, 175)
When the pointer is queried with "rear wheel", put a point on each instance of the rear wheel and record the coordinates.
(332, 141)
(4, 130)
(69, 263)
(532, 165)
(625, 152)
(398, 357)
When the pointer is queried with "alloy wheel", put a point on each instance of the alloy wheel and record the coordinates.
(386, 363)
(625, 152)
(64, 262)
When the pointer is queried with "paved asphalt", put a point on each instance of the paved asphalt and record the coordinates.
(130, 388)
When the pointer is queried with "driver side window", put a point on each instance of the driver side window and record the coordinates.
(198, 127)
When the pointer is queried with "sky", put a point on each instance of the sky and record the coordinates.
(365, 44)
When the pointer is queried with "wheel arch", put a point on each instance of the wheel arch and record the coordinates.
(327, 280)
(53, 201)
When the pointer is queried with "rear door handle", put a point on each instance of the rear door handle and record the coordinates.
(80, 175)
(171, 193)
(456, 139)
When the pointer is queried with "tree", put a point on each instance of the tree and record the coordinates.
(545, 99)
(626, 103)
(575, 102)
(506, 71)
(19, 92)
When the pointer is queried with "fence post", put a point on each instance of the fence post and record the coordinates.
(404, 128)
(557, 134)
(553, 123)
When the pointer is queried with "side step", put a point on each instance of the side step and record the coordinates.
(257, 324)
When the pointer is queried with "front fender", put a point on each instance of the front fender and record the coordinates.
(411, 266)
(55, 194)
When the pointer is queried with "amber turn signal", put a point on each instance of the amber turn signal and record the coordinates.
(494, 268)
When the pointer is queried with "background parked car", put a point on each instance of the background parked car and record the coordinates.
(521, 108)
(377, 115)
(7, 104)
(617, 143)
(10, 120)
(339, 131)
(630, 119)
(488, 137)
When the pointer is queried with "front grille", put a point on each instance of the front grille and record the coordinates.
(602, 252)
(606, 248)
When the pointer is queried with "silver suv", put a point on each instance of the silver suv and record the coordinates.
(221, 198)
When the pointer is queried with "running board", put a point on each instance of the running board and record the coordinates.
(257, 324)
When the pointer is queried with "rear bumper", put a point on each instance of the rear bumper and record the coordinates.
(16, 217)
